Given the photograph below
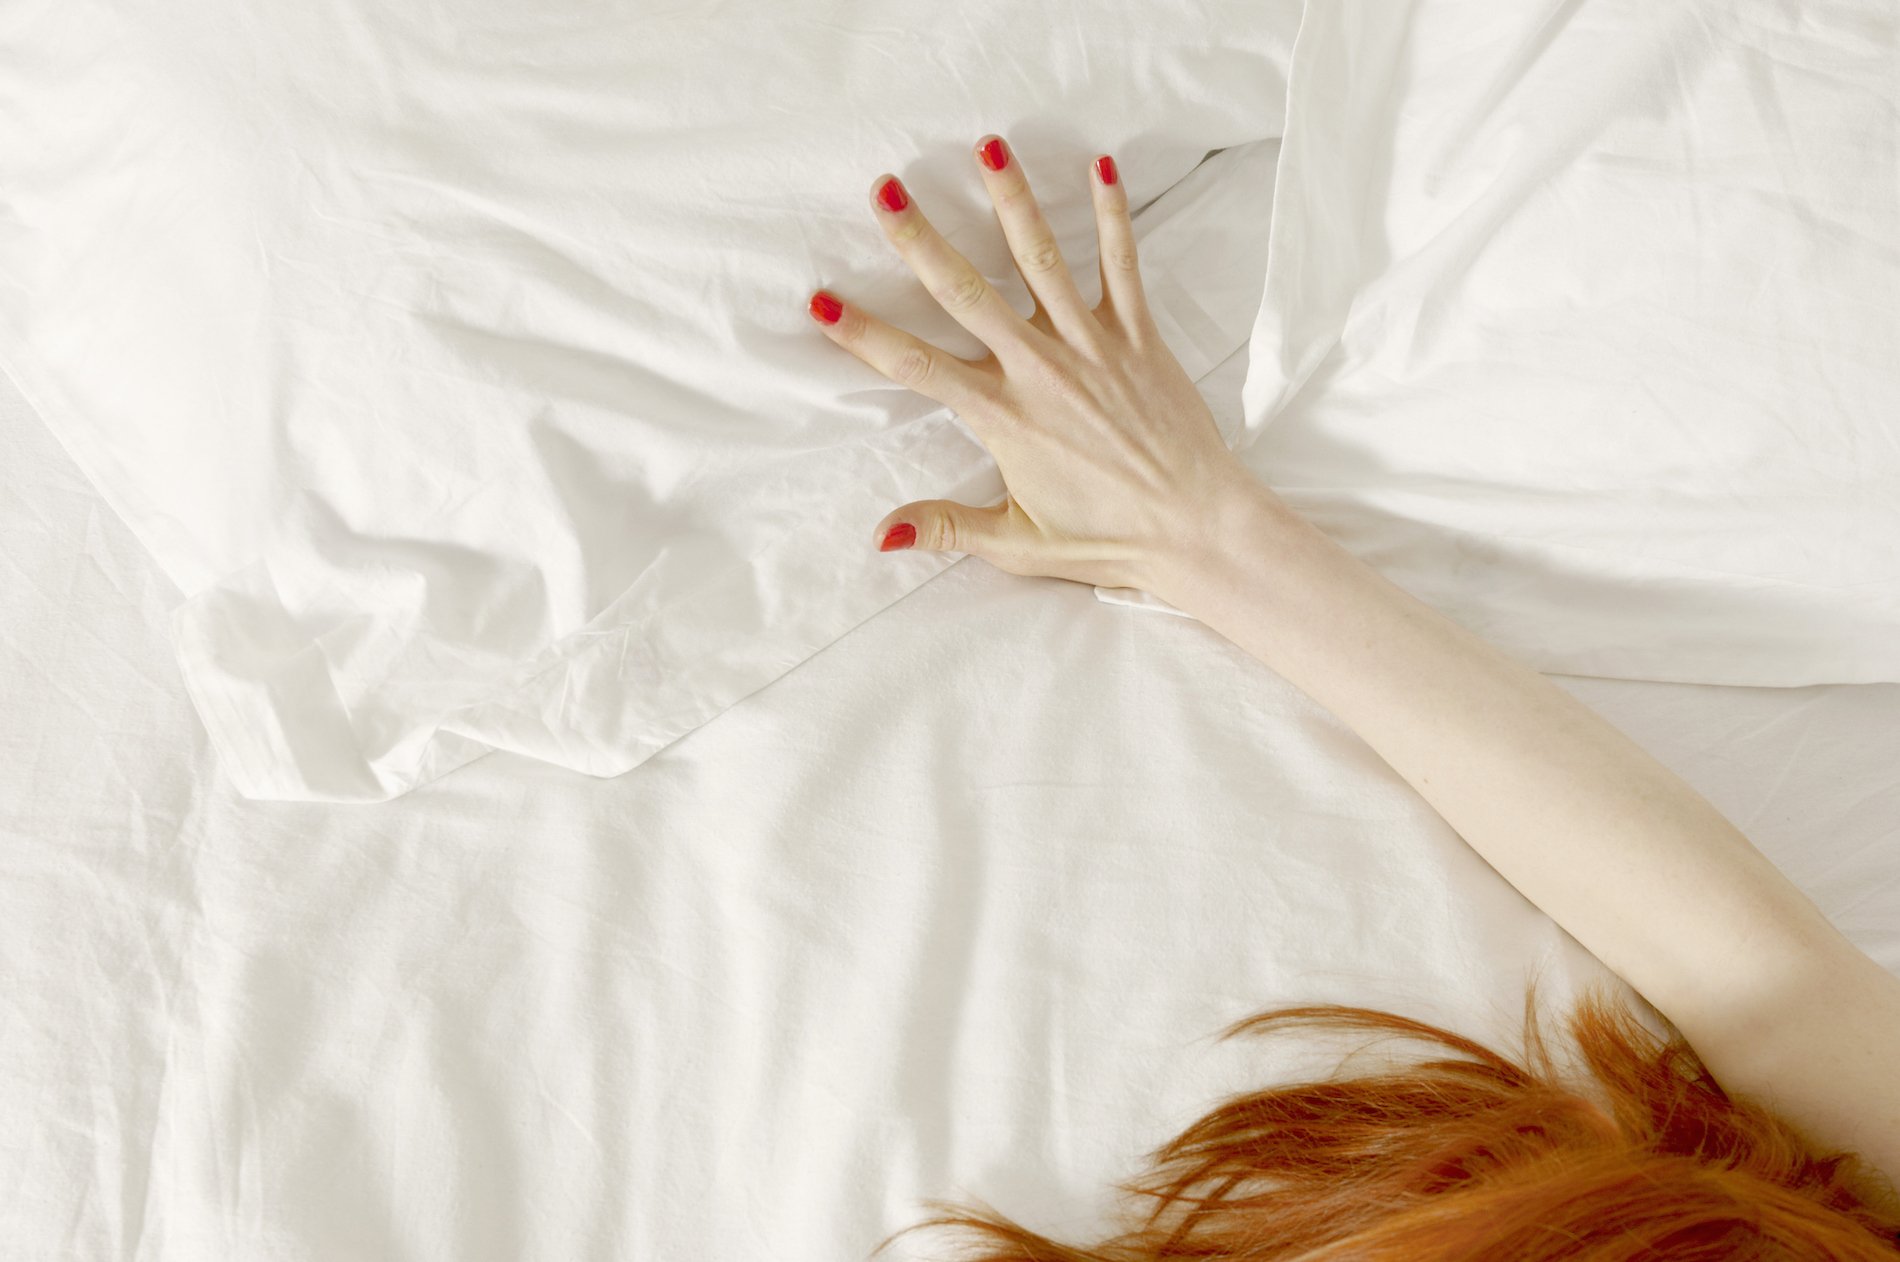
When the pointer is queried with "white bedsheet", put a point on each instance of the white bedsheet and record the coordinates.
(954, 906)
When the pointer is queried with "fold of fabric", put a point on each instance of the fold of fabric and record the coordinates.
(1579, 325)
(455, 366)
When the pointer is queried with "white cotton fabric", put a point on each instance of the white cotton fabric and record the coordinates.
(1581, 321)
(956, 908)
(454, 363)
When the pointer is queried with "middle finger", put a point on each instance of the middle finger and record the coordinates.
(1033, 242)
(952, 280)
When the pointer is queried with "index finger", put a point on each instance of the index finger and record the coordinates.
(951, 279)
(909, 361)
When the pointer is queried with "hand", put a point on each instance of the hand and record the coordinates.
(1111, 458)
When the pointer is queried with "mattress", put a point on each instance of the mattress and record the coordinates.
(956, 907)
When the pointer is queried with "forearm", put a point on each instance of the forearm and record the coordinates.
(1628, 858)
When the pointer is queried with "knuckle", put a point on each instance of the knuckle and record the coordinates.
(1056, 367)
(1041, 255)
(961, 293)
(1113, 321)
(914, 366)
(1064, 384)
(1122, 258)
(1092, 344)
(945, 535)
(908, 231)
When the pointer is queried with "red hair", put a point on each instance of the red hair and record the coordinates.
(1483, 1159)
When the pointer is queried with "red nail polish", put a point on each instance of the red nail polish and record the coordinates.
(891, 195)
(902, 535)
(825, 307)
(995, 157)
(1105, 167)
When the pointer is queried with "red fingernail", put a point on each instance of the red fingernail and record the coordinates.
(1105, 167)
(995, 157)
(891, 195)
(902, 535)
(825, 307)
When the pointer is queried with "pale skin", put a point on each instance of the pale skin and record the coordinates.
(1118, 476)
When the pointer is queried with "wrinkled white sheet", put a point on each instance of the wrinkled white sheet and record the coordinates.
(1580, 324)
(955, 906)
(454, 363)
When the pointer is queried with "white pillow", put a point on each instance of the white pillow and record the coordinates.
(455, 363)
(1582, 323)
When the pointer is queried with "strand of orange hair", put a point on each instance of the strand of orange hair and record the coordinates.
(1479, 1158)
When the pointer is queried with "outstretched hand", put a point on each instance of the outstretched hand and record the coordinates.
(1111, 458)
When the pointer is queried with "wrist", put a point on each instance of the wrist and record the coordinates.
(1242, 521)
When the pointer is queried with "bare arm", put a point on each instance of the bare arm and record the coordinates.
(1118, 475)
(1632, 861)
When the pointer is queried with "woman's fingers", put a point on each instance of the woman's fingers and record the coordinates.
(1123, 303)
(936, 374)
(1032, 242)
(951, 279)
(1060, 311)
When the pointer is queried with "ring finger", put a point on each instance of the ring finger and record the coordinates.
(951, 279)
